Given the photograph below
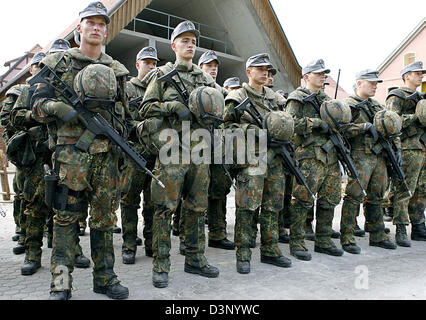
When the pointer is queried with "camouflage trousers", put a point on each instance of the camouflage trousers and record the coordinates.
(406, 209)
(188, 183)
(373, 176)
(256, 191)
(19, 205)
(284, 217)
(134, 182)
(93, 179)
(220, 186)
(324, 180)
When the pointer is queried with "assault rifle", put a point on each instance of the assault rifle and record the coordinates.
(282, 148)
(184, 95)
(338, 142)
(93, 121)
(385, 144)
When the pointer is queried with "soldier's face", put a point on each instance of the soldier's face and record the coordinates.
(366, 89)
(211, 68)
(415, 77)
(270, 81)
(34, 69)
(93, 30)
(145, 66)
(184, 46)
(258, 75)
(316, 80)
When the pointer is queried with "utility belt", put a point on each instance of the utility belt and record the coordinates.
(56, 195)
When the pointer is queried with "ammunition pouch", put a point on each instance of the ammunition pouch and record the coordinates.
(326, 147)
(377, 149)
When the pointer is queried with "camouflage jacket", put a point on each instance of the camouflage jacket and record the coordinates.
(157, 93)
(134, 90)
(5, 115)
(308, 140)
(411, 131)
(222, 90)
(264, 103)
(21, 120)
(67, 65)
(358, 139)
(281, 101)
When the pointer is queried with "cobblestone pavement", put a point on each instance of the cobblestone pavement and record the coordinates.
(374, 274)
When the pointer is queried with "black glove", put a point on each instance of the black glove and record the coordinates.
(398, 154)
(371, 130)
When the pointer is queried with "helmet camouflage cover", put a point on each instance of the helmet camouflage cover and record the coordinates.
(207, 105)
(387, 123)
(335, 111)
(421, 112)
(96, 85)
(280, 125)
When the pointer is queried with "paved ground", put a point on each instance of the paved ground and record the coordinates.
(374, 274)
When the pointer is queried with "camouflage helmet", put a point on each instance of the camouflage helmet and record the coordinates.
(207, 105)
(387, 123)
(96, 85)
(421, 112)
(280, 125)
(335, 112)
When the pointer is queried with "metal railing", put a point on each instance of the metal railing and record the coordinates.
(212, 38)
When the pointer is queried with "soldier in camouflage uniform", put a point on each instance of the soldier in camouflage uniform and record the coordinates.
(135, 181)
(321, 169)
(232, 84)
(371, 168)
(220, 184)
(162, 108)
(86, 164)
(18, 202)
(257, 188)
(408, 209)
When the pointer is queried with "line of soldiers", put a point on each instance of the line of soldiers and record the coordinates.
(55, 121)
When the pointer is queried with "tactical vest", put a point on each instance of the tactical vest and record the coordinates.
(363, 142)
(411, 135)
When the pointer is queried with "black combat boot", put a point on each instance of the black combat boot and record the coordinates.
(401, 237)
(138, 241)
(206, 271)
(60, 295)
(81, 262)
(30, 267)
(116, 229)
(284, 238)
(160, 279)
(128, 257)
(20, 247)
(385, 244)
(418, 232)
(148, 252)
(276, 261)
(115, 291)
(358, 232)
(222, 244)
(301, 255)
(243, 267)
(82, 231)
(332, 251)
(351, 248)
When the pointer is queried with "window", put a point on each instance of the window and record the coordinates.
(409, 57)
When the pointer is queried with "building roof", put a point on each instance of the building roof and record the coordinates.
(403, 45)
(122, 12)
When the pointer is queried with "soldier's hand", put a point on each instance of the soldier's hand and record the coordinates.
(61, 110)
(178, 108)
(409, 119)
(320, 124)
(369, 128)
